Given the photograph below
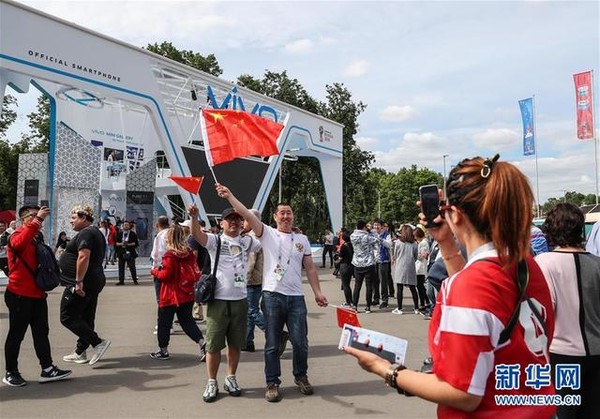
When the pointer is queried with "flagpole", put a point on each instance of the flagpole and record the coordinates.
(213, 173)
(595, 129)
(535, 148)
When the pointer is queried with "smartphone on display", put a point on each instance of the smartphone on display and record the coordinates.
(430, 203)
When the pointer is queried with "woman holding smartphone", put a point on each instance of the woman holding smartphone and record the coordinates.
(488, 211)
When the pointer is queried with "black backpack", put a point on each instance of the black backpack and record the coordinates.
(47, 272)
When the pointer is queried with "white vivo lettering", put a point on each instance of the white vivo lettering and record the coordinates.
(237, 103)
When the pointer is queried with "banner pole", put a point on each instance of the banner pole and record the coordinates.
(595, 129)
(535, 148)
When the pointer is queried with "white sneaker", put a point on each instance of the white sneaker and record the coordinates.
(210, 391)
(76, 358)
(99, 351)
(397, 311)
(231, 386)
(417, 311)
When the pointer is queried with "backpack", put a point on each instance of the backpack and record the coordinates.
(47, 272)
(4, 239)
(205, 287)
(188, 275)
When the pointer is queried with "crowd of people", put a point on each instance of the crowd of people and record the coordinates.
(498, 292)
(517, 306)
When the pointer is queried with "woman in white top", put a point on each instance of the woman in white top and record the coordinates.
(573, 276)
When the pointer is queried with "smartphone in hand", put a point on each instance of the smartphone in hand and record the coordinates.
(430, 204)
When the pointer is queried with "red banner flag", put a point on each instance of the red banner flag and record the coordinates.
(347, 316)
(190, 184)
(585, 105)
(230, 133)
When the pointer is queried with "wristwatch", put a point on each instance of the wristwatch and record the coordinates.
(390, 377)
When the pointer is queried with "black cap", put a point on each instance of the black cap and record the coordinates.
(228, 212)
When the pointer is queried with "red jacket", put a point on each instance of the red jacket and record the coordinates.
(170, 292)
(110, 237)
(20, 280)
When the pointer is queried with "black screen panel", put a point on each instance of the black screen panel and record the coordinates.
(243, 177)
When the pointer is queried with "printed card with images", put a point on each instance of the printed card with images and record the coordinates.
(388, 347)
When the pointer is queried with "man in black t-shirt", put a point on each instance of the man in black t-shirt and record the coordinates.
(81, 266)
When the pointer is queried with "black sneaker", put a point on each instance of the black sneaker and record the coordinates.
(249, 348)
(160, 354)
(384, 304)
(203, 352)
(14, 379)
(54, 374)
(285, 336)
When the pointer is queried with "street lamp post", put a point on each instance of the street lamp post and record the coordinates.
(280, 183)
(290, 157)
(444, 157)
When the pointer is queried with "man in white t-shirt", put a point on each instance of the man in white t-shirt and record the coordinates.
(285, 253)
(226, 315)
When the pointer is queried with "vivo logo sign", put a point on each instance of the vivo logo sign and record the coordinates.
(233, 101)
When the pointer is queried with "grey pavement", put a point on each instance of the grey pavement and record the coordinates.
(127, 383)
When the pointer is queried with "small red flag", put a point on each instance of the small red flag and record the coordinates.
(347, 316)
(190, 184)
(231, 133)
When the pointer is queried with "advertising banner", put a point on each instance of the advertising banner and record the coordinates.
(584, 105)
(526, 106)
(140, 206)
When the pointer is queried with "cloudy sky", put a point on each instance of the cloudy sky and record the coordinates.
(438, 77)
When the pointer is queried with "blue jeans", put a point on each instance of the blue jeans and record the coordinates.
(255, 317)
(279, 310)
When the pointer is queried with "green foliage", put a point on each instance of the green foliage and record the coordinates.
(9, 155)
(573, 197)
(395, 194)
(38, 139)
(9, 114)
(208, 64)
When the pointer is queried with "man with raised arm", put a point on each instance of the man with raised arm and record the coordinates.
(226, 315)
(285, 253)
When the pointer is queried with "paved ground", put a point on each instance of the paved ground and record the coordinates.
(127, 383)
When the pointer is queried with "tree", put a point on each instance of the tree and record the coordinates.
(9, 169)
(208, 64)
(38, 140)
(9, 114)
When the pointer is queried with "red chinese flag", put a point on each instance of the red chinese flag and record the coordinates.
(584, 105)
(190, 184)
(346, 316)
(230, 133)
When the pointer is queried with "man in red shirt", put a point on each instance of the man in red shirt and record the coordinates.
(26, 302)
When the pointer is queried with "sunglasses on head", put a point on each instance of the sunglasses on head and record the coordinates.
(443, 209)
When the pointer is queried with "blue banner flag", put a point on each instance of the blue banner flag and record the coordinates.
(526, 106)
